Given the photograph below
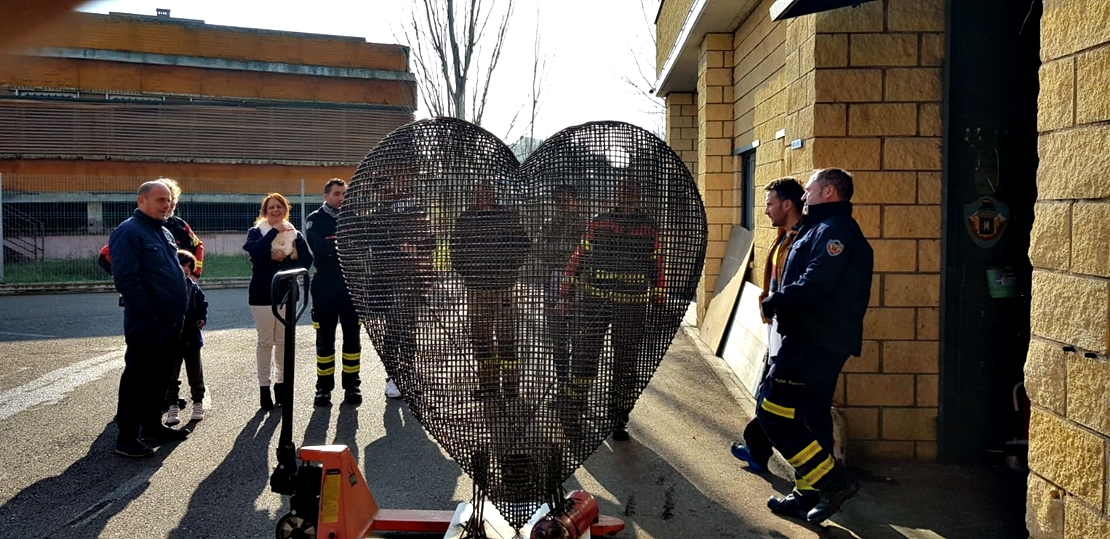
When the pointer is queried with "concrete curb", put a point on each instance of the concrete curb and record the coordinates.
(96, 287)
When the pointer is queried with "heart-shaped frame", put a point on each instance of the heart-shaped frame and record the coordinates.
(521, 309)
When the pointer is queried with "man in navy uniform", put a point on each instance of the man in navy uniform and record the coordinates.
(332, 305)
(819, 304)
(149, 279)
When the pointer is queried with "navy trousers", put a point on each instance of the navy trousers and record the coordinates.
(148, 362)
(325, 317)
(793, 410)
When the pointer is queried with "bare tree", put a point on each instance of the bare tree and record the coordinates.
(641, 80)
(456, 51)
(535, 96)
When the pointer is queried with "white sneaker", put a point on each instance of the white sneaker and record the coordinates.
(173, 416)
(198, 411)
(391, 390)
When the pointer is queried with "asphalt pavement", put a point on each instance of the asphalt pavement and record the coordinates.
(60, 360)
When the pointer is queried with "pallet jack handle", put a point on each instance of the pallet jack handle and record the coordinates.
(284, 291)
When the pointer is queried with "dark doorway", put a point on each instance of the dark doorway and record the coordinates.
(993, 55)
(747, 179)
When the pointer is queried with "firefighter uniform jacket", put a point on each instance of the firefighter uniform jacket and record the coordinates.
(826, 281)
(620, 259)
(488, 247)
(184, 238)
(329, 289)
(401, 245)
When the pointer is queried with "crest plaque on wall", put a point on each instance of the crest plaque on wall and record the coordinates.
(986, 219)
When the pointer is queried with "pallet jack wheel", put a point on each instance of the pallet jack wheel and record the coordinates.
(291, 526)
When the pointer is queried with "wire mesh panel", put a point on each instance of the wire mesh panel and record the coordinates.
(521, 309)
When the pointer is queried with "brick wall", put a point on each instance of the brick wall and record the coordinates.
(682, 137)
(79, 30)
(715, 177)
(861, 89)
(115, 176)
(1070, 428)
(217, 44)
(875, 77)
(32, 72)
(682, 127)
(668, 23)
(760, 109)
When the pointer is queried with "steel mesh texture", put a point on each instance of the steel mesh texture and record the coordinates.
(521, 309)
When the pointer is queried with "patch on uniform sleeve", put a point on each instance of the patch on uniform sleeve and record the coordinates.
(834, 247)
(307, 225)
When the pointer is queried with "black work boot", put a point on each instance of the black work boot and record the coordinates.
(160, 434)
(351, 392)
(620, 432)
(323, 398)
(797, 504)
(831, 501)
(133, 449)
(264, 400)
(569, 409)
(279, 393)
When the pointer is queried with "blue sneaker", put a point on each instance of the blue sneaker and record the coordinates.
(742, 452)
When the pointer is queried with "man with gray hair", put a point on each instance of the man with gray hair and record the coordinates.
(152, 284)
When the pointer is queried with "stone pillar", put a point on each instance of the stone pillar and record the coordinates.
(96, 217)
(682, 128)
(715, 170)
(1069, 431)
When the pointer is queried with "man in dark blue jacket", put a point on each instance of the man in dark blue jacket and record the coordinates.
(149, 279)
(819, 303)
(332, 305)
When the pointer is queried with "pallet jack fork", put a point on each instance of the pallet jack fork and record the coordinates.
(330, 497)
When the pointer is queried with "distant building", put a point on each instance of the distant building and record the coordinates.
(524, 147)
(97, 103)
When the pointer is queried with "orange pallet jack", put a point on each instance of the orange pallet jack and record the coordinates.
(330, 498)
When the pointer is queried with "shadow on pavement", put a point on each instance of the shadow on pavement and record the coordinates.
(925, 499)
(80, 501)
(655, 497)
(405, 468)
(228, 494)
(316, 432)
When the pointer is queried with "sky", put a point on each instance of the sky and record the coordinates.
(589, 46)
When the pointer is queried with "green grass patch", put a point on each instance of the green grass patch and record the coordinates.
(54, 271)
(86, 270)
(226, 267)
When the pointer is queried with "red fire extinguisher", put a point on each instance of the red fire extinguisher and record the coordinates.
(581, 511)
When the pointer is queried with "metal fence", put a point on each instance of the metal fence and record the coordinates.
(52, 227)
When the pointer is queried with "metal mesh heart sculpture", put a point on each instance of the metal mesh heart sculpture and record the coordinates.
(521, 309)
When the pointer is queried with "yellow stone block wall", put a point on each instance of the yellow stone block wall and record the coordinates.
(1070, 250)
(760, 109)
(668, 24)
(682, 137)
(682, 128)
(867, 98)
(714, 151)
